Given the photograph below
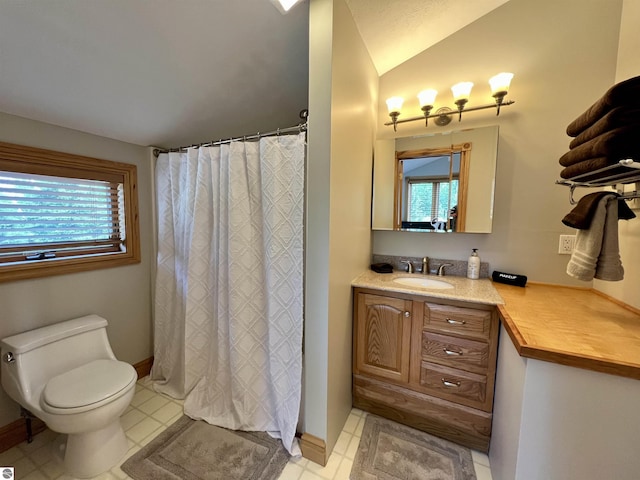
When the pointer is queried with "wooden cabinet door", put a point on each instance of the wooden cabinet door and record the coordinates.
(383, 336)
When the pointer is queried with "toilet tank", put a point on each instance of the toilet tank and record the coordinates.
(40, 354)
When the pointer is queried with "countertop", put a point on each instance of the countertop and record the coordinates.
(464, 289)
(572, 326)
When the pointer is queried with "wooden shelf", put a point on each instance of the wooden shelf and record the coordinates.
(572, 326)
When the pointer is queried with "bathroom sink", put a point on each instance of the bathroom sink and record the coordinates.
(422, 282)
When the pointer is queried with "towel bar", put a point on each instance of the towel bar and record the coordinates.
(630, 176)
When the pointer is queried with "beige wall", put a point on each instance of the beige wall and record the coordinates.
(353, 100)
(563, 55)
(629, 232)
(316, 308)
(120, 294)
(342, 99)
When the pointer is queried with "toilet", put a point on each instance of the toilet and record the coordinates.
(67, 375)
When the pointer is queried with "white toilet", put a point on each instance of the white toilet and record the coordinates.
(67, 375)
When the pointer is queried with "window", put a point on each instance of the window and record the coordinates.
(428, 199)
(62, 213)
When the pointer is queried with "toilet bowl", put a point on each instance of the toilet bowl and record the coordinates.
(67, 375)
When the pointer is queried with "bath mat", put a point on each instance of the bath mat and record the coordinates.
(390, 451)
(195, 450)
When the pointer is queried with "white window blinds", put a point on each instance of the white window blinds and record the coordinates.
(45, 217)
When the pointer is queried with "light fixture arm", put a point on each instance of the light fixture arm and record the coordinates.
(394, 120)
(446, 114)
(427, 114)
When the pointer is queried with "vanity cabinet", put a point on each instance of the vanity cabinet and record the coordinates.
(426, 362)
(384, 333)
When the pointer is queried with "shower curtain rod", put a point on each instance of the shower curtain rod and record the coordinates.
(301, 127)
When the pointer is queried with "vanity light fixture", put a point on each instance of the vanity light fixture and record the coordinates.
(461, 92)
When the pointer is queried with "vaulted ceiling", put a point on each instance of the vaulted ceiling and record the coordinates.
(169, 73)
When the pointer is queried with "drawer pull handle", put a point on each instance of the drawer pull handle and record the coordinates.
(451, 321)
(450, 384)
(407, 314)
(451, 352)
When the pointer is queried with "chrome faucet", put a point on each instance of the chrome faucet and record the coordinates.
(410, 268)
(425, 265)
(442, 267)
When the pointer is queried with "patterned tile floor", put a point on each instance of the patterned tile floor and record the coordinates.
(150, 413)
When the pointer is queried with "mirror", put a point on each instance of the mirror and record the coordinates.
(435, 183)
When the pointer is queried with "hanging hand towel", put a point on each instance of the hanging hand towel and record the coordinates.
(582, 214)
(609, 266)
(596, 252)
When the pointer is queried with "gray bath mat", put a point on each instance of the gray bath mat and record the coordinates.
(195, 450)
(390, 451)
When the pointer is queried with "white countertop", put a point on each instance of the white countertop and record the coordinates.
(464, 289)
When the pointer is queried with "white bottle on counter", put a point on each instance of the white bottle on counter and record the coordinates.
(473, 265)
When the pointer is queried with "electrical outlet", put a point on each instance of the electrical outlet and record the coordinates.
(566, 245)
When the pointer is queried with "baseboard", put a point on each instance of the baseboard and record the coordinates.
(16, 432)
(143, 368)
(313, 448)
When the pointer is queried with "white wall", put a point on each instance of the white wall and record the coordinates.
(342, 99)
(507, 409)
(578, 425)
(557, 422)
(563, 55)
(120, 294)
(629, 232)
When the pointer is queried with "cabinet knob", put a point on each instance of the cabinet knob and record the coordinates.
(407, 314)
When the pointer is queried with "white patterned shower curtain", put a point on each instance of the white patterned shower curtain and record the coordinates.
(228, 299)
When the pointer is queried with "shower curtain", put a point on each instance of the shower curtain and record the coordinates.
(228, 298)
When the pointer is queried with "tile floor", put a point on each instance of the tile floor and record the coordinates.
(150, 413)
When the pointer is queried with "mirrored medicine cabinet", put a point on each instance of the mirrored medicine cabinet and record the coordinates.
(442, 183)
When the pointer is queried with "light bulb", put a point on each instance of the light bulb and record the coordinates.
(461, 91)
(284, 5)
(394, 104)
(500, 83)
(427, 97)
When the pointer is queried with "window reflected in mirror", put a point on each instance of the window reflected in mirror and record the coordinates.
(428, 192)
(442, 183)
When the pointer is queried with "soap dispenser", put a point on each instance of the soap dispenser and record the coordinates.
(473, 265)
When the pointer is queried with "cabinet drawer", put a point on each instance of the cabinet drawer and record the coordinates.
(455, 352)
(458, 320)
(456, 385)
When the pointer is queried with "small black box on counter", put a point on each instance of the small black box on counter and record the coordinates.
(382, 267)
(509, 278)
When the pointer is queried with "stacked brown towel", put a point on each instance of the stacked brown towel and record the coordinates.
(613, 145)
(623, 94)
(596, 254)
(616, 118)
(605, 133)
(583, 168)
(582, 215)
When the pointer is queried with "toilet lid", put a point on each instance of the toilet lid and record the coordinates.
(90, 383)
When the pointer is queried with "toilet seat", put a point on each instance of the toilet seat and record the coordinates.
(87, 387)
